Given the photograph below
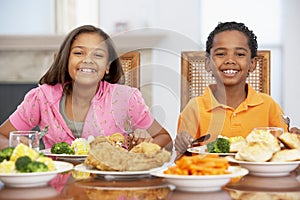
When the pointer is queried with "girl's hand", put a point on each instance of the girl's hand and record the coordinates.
(139, 136)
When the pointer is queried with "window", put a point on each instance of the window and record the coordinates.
(72, 13)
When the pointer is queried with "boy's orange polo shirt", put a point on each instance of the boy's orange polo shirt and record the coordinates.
(204, 114)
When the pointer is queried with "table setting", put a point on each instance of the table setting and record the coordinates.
(200, 175)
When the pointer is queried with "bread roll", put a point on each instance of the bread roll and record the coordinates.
(255, 152)
(286, 155)
(290, 140)
(264, 136)
(236, 143)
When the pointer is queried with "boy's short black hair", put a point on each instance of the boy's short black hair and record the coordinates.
(229, 26)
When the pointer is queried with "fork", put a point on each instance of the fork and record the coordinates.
(43, 132)
(129, 130)
(286, 120)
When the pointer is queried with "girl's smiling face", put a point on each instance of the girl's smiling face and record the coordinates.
(230, 58)
(89, 59)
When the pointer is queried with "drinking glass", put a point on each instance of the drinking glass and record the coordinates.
(29, 138)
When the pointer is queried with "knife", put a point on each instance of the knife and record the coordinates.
(200, 139)
(196, 141)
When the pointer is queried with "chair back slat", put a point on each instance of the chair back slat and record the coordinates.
(131, 67)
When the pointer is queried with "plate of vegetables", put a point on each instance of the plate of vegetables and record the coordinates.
(220, 146)
(77, 151)
(25, 167)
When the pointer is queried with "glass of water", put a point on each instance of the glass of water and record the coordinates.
(29, 138)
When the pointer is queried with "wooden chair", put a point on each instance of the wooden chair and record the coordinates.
(131, 67)
(194, 77)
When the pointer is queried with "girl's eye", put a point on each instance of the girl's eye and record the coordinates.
(97, 55)
(77, 53)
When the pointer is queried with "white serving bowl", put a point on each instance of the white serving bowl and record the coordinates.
(271, 169)
(201, 183)
(34, 179)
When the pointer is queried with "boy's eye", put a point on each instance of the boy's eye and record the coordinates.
(219, 54)
(240, 54)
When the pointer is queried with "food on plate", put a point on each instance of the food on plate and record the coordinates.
(6, 153)
(22, 150)
(255, 152)
(262, 146)
(25, 164)
(24, 159)
(290, 140)
(220, 145)
(117, 139)
(146, 148)
(105, 156)
(62, 148)
(236, 143)
(80, 146)
(286, 155)
(264, 136)
(210, 164)
(7, 166)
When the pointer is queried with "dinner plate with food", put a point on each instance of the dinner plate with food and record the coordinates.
(22, 166)
(222, 146)
(117, 174)
(267, 155)
(77, 151)
(108, 158)
(201, 173)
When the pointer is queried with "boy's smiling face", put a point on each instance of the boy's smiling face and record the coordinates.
(230, 58)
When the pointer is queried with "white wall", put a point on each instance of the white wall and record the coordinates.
(291, 67)
(179, 21)
(27, 17)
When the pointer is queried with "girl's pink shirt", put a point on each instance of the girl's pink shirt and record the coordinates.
(110, 107)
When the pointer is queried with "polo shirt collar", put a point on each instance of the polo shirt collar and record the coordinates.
(211, 103)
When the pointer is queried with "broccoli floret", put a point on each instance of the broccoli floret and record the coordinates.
(220, 145)
(6, 153)
(62, 147)
(22, 163)
(36, 166)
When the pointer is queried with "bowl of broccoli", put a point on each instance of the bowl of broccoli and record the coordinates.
(23, 166)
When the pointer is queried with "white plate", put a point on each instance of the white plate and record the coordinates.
(47, 152)
(64, 157)
(201, 183)
(203, 150)
(118, 174)
(267, 168)
(35, 178)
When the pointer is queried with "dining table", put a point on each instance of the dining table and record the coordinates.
(74, 185)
